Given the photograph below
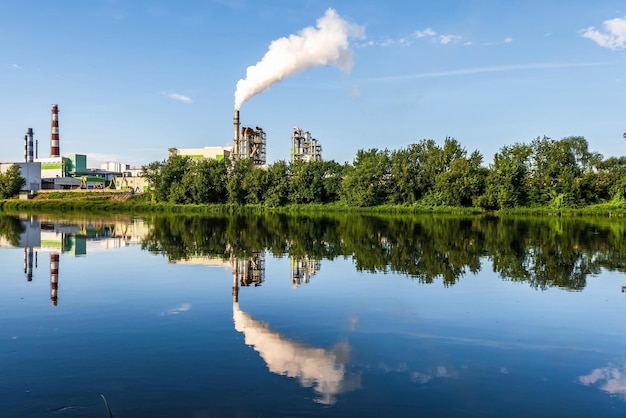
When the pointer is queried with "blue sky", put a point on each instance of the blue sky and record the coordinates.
(133, 78)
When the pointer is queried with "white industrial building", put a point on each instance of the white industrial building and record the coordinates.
(31, 172)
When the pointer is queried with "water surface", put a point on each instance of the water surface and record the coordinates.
(311, 316)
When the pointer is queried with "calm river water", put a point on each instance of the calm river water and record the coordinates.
(268, 316)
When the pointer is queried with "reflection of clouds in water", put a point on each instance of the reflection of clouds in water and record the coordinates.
(352, 322)
(322, 369)
(607, 379)
(174, 311)
(440, 371)
(423, 377)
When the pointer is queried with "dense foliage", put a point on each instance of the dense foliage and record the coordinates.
(544, 173)
(11, 182)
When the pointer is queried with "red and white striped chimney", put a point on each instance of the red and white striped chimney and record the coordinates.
(55, 150)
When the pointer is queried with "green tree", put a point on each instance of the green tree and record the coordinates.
(367, 182)
(166, 178)
(11, 182)
(505, 184)
(236, 192)
(277, 184)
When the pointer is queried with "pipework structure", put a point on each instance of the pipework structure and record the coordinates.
(304, 147)
(248, 143)
(55, 150)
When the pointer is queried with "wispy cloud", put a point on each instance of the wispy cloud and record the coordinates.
(15, 66)
(508, 40)
(480, 70)
(449, 39)
(613, 37)
(355, 92)
(442, 39)
(179, 97)
(424, 33)
(418, 34)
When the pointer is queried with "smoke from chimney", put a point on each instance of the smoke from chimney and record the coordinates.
(312, 47)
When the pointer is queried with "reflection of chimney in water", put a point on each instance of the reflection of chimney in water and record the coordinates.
(54, 278)
(28, 263)
(235, 288)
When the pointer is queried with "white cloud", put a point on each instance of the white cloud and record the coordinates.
(508, 40)
(449, 39)
(179, 97)
(15, 66)
(613, 38)
(424, 33)
(607, 379)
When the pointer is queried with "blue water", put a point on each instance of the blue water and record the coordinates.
(161, 339)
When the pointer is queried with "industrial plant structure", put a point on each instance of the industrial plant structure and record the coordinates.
(248, 143)
(304, 147)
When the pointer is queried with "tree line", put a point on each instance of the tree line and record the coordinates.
(545, 172)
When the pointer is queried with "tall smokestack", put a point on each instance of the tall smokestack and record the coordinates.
(236, 126)
(55, 150)
(54, 278)
(29, 146)
(26, 148)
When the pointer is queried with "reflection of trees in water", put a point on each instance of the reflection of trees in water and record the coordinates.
(322, 369)
(543, 252)
(11, 228)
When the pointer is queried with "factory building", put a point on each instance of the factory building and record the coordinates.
(208, 153)
(31, 172)
(304, 147)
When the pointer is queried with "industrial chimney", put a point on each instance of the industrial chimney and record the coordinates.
(236, 125)
(28, 150)
(55, 150)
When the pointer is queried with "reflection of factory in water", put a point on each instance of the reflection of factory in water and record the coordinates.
(76, 238)
(249, 269)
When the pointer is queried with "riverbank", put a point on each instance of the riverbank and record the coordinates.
(123, 202)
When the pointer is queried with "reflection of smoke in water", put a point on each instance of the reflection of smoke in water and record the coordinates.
(313, 47)
(322, 369)
(608, 379)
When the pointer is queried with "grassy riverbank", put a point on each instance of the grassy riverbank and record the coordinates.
(120, 202)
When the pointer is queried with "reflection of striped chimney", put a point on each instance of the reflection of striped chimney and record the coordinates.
(28, 263)
(54, 278)
(29, 153)
(55, 150)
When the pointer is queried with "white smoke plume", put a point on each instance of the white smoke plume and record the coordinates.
(326, 44)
